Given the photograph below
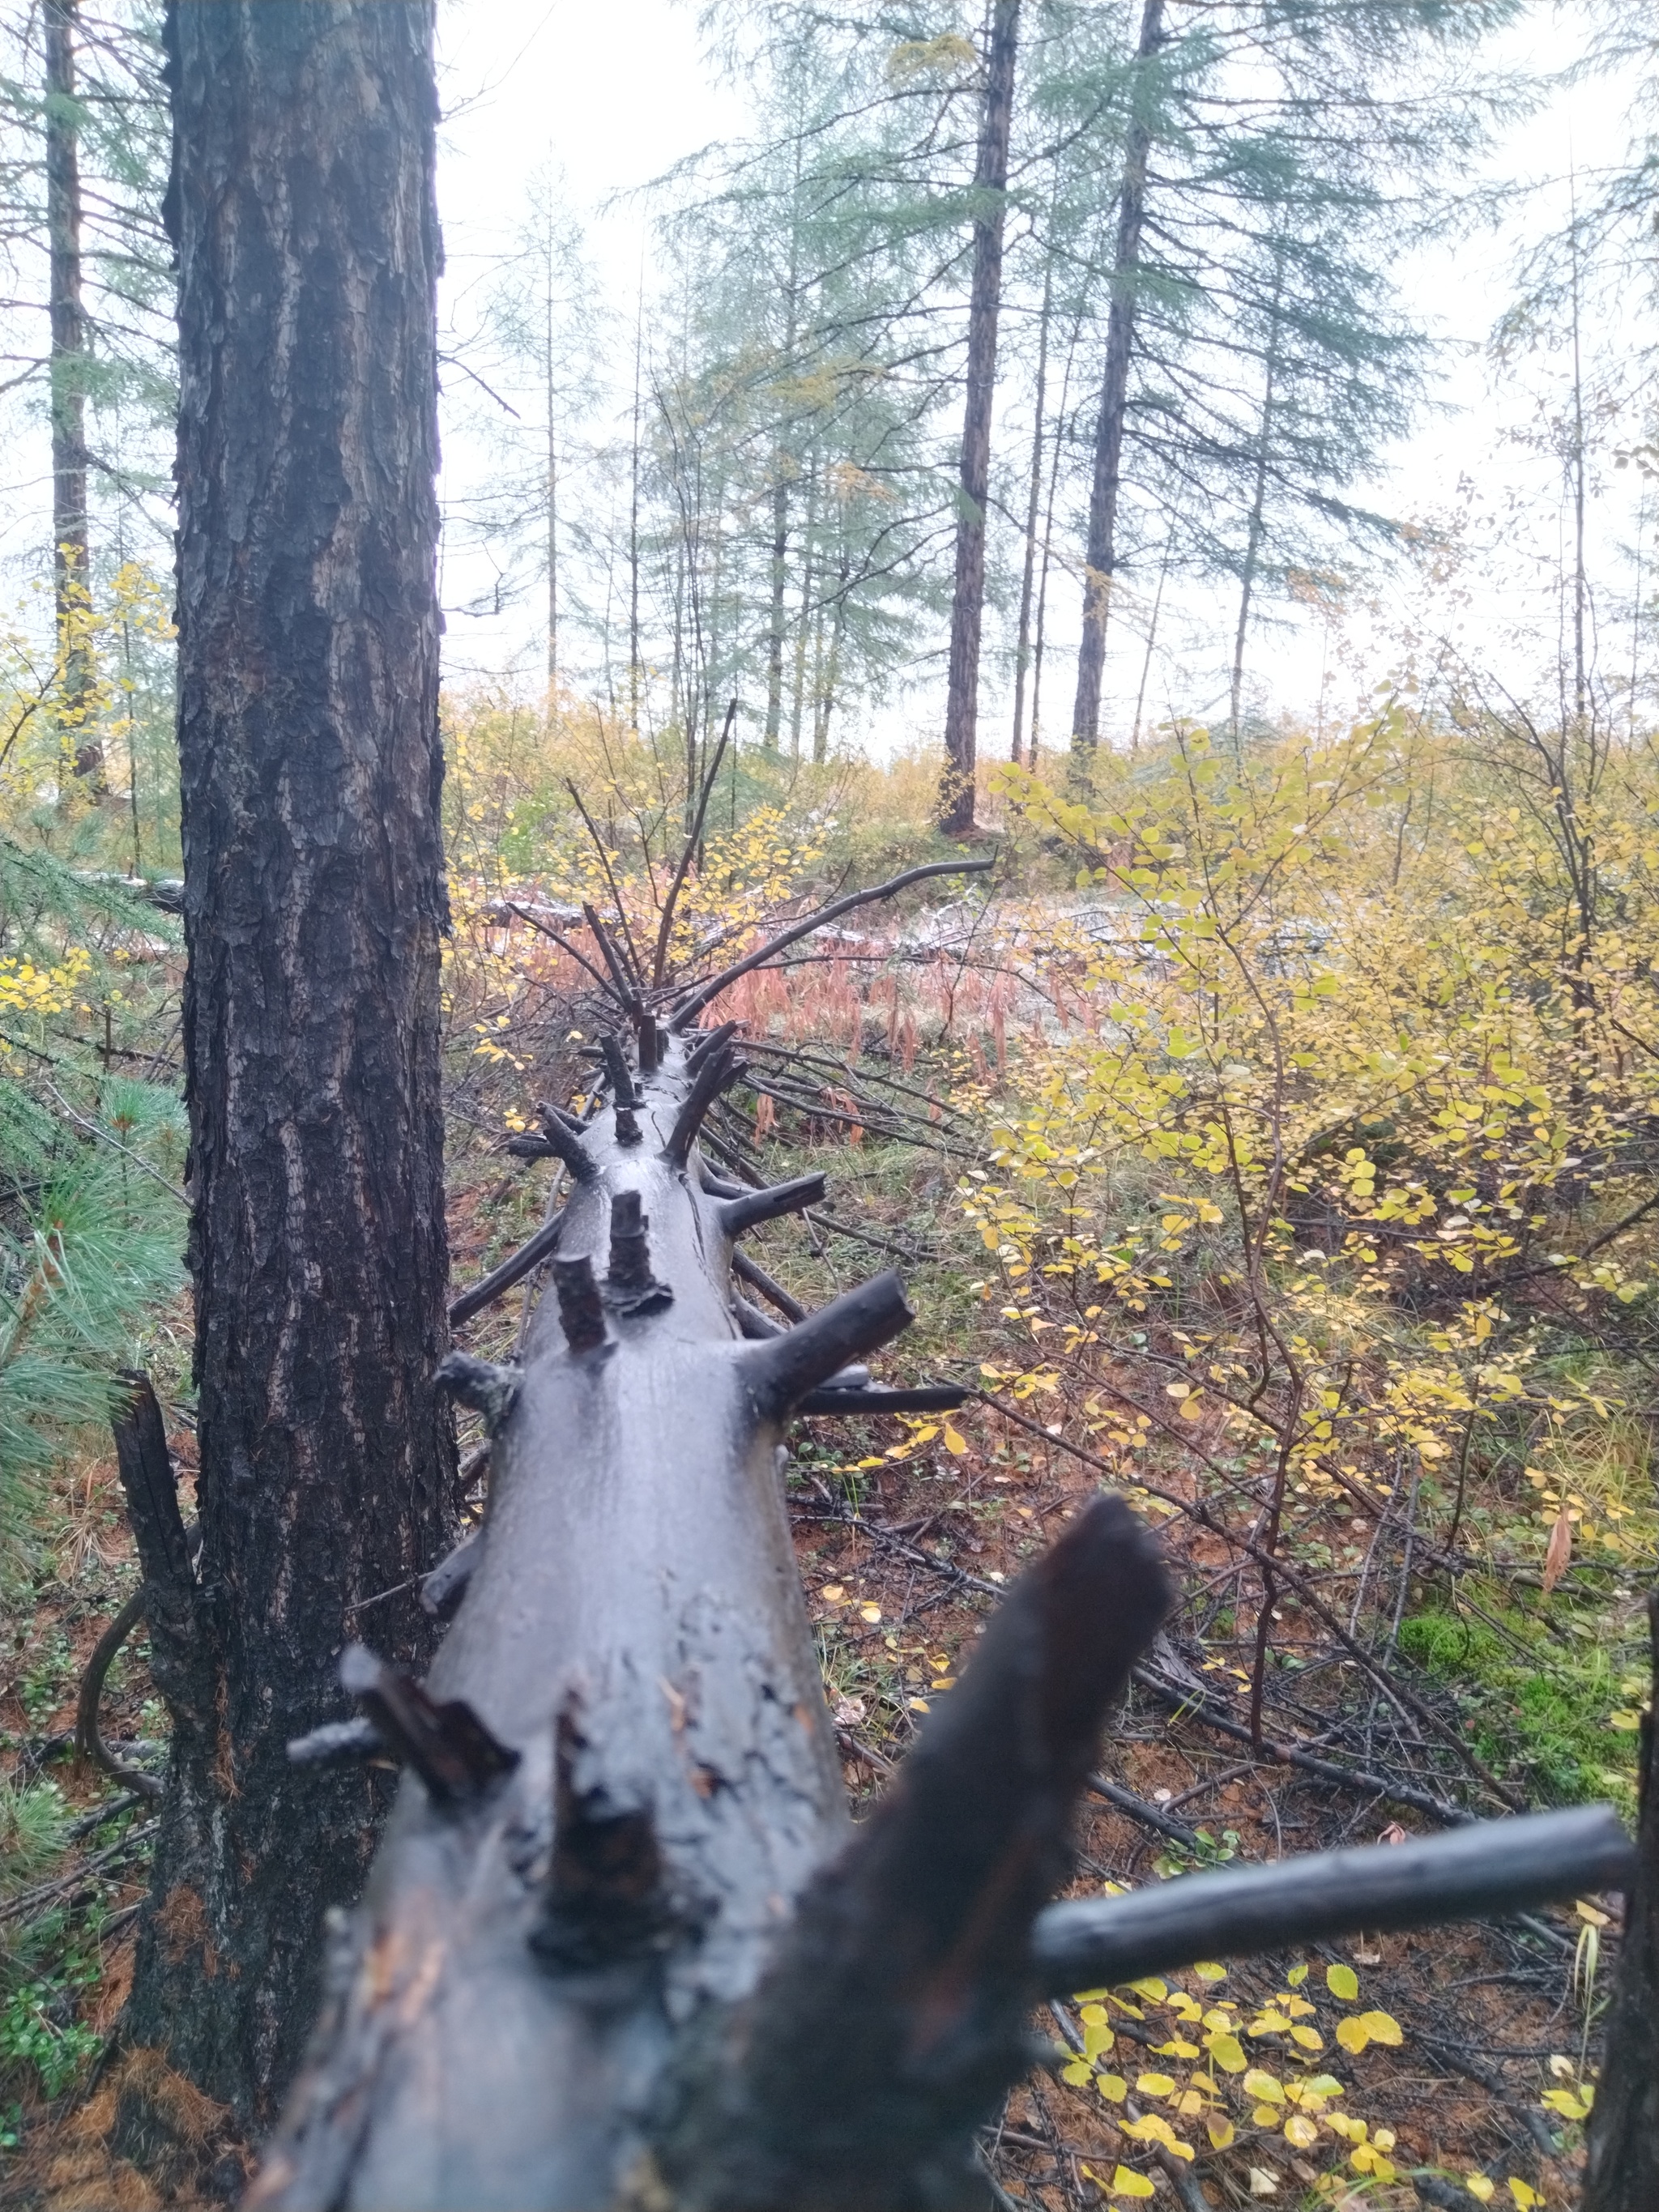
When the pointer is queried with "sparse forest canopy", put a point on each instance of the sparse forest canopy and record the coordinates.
(1002, 687)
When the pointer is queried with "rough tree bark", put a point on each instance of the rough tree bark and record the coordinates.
(1623, 2173)
(67, 370)
(1100, 556)
(955, 803)
(301, 209)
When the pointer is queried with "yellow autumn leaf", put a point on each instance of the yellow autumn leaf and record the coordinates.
(1127, 2183)
(955, 1442)
(1227, 2052)
(1383, 2027)
(1479, 2186)
(1076, 2076)
(1155, 2085)
(1220, 2131)
(1207, 1971)
(1151, 2126)
(1342, 1982)
(1112, 2085)
(1264, 2116)
(1301, 2131)
(1523, 2193)
(1309, 2038)
(1151, 1989)
(1353, 2034)
(869, 1611)
(1269, 2021)
(1266, 2088)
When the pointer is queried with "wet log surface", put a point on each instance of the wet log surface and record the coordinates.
(621, 1945)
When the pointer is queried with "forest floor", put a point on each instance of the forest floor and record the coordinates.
(905, 1540)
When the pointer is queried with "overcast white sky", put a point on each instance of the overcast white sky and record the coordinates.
(616, 94)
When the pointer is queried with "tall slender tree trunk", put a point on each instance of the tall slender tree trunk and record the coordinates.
(1257, 523)
(803, 620)
(634, 528)
(302, 211)
(1100, 556)
(1152, 641)
(955, 811)
(831, 690)
(777, 626)
(1580, 574)
(1023, 646)
(1048, 547)
(552, 495)
(68, 372)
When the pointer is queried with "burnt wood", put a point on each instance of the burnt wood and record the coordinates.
(754, 1207)
(1622, 2172)
(894, 2014)
(634, 1630)
(620, 1946)
(1481, 1872)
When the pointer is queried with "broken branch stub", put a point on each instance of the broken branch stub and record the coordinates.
(784, 1369)
(754, 1207)
(894, 2014)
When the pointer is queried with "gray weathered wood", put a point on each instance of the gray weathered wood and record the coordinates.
(1480, 1872)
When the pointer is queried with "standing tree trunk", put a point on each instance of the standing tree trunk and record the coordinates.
(301, 208)
(68, 373)
(552, 494)
(1258, 521)
(1101, 554)
(1023, 646)
(955, 812)
(774, 633)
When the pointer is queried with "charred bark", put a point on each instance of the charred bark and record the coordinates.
(301, 209)
(633, 1630)
(623, 1777)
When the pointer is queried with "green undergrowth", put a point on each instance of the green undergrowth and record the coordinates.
(1552, 1697)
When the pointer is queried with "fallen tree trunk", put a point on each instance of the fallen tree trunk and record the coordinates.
(620, 1945)
(624, 1780)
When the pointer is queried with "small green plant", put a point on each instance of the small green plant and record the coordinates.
(34, 2035)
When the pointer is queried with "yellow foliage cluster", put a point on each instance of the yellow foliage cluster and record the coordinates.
(1213, 2050)
(69, 684)
(1338, 1037)
(26, 988)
